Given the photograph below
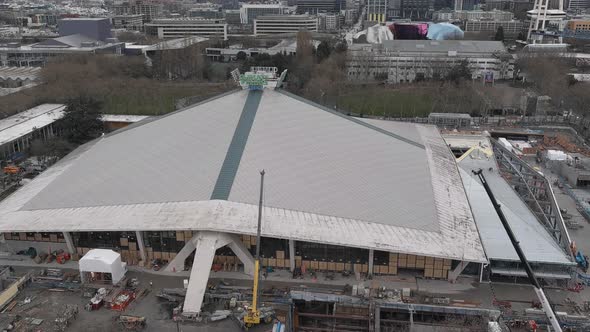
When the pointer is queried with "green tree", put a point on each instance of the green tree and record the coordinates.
(81, 122)
(241, 55)
(324, 50)
(459, 72)
(499, 34)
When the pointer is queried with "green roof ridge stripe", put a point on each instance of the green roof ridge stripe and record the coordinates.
(229, 169)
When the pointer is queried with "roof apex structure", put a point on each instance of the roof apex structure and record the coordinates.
(331, 179)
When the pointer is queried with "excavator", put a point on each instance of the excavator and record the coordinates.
(545, 305)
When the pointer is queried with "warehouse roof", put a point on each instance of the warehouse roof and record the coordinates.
(26, 122)
(445, 46)
(330, 179)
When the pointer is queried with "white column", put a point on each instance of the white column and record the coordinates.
(69, 242)
(292, 255)
(141, 246)
(371, 259)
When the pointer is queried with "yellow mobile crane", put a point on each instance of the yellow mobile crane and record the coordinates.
(253, 316)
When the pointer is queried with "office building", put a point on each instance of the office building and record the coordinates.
(510, 27)
(417, 9)
(329, 22)
(248, 12)
(271, 25)
(35, 55)
(376, 10)
(232, 16)
(578, 25)
(166, 28)
(472, 15)
(313, 7)
(399, 61)
(129, 22)
(148, 10)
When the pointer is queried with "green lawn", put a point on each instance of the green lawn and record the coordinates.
(387, 102)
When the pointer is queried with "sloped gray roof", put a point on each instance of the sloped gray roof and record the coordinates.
(330, 179)
(536, 242)
(444, 46)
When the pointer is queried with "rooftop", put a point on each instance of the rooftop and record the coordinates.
(330, 179)
(534, 239)
(26, 122)
(460, 46)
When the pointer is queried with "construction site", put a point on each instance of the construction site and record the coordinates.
(284, 215)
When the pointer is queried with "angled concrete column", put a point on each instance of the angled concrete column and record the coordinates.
(292, 255)
(69, 242)
(206, 243)
(141, 246)
(454, 273)
(242, 253)
(371, 259)
(177, 263)
(204, 254)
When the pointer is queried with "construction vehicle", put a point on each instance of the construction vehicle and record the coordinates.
(545, 305)
(252, 317)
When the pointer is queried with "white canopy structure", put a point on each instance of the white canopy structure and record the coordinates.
(103, 261)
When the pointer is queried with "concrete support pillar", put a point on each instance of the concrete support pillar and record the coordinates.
(238, 247)
(141, 246)
(177, 263)
(69, 242)
(371, 260)
(292, 255)
(454, 273)
(377, 318)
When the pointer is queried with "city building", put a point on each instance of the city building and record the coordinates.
(329, 21)
(578, 5)
(417, 9)
(35, 55)
(350, 16)
(510, 27)
(248, 12)
(357, 206)
(129, 22)
(148, 10)
(493, 15)
(377, 10)
(205, 10)
(95, 28)
(272, 25)
(287, 47)
(232, 16)
(45, 18)
(398, 61)
(183, 27)
(319, 6)
(578, 25)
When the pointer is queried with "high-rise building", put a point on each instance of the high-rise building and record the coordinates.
(249, 12)
(272, 25)
(578, 4)
(376, 10)
(148, 10)
(417, 9)
(319, 6)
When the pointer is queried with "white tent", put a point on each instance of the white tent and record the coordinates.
(103, 261)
